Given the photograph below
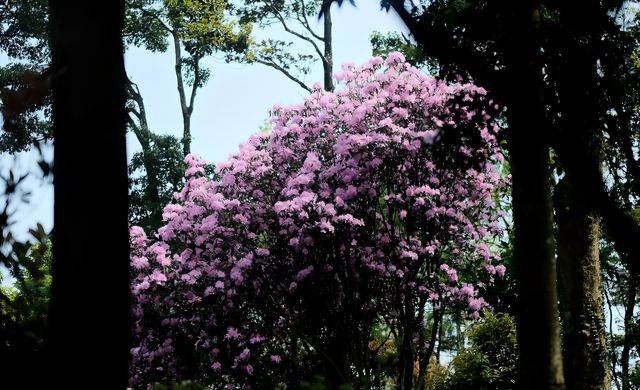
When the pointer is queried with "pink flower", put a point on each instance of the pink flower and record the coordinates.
(500, 270)
(475, 303)
(276, 359)
(139, 262)
(232, 333)
(467, 290)
(158, 276)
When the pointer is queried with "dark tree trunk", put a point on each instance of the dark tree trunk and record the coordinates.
(407, 328)
(335, 360)
(534, 248)
(630, 305)
(581, 299)
(579, 150)
(89, 319)
(327, 63)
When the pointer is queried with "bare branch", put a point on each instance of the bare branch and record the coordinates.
(284, 72)
(305, 22)
(178, 69)
(196, 82)
(134, 94)
(297, 34)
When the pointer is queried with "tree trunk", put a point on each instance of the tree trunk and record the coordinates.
(90, 325)
(579, 150)
(581, 299)
(185, 108)
(425, 355)
(327, 63)
(534, 248)
(407, 328)
(335, 361)
(144, 135)
(628, 323)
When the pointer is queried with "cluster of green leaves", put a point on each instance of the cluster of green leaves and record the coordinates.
(489, 363)
(23, 29)
(165, 155)
(23, 39)
(24, 305)
(31, 125)
(384, 43)
(206, 27)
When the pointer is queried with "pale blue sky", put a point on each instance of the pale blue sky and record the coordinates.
(233, 104)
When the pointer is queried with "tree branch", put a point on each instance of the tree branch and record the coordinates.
(153, 15)
(178, 70)
(305, 22)
(284, 72)
(196, 82)
(134, 94)
(297, 34)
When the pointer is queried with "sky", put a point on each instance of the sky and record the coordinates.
(231, 106)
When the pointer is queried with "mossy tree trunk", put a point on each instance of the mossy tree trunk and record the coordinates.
(581, 298)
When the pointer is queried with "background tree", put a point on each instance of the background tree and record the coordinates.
(196, 30)
(489, 361)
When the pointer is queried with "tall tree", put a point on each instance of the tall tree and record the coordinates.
(90, 291)
(196, 30)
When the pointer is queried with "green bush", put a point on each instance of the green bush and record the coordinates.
(489, 363)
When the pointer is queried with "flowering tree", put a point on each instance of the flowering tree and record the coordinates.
(365, 206)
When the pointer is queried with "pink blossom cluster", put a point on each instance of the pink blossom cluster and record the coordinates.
(369, 203)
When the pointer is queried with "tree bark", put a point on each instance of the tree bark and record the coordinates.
(327, 62)
(143, 135)
(90, 325)
(534, 248)
(579, 150)
(185, 108)
(581, 298)
(630, 305)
